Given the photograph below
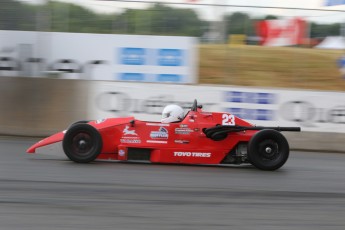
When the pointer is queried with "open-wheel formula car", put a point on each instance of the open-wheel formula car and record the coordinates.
(198, 138)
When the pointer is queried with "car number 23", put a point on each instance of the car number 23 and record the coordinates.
(228, 119)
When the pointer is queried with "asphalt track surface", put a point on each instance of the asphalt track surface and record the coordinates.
(49, 192)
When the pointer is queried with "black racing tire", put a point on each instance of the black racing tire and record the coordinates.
(268, 150)
(79, 122)
(82, 143)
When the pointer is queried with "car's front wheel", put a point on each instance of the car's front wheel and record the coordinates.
(268, 150)
(82, 143)
(79, 122)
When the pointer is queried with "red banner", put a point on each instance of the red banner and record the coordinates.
(281, 32)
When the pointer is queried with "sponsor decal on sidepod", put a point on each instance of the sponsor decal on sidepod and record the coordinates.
(192, 154)
(162, 133)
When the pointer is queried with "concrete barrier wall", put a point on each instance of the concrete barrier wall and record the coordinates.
(316, 141)
(38, 107)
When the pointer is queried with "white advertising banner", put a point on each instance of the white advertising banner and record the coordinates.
(145, 101)
(139, 58)
(312, 111)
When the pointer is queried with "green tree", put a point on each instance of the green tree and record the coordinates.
(159, 19)
(16, 16)
(237, 23)
(73, 18)
(324, 30)
(270, 17)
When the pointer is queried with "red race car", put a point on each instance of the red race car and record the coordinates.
(198, 137)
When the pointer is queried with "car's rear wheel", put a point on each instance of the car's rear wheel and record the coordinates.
(82, 143)
(268, 150)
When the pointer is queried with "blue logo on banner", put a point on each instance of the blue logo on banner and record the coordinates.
(131, 77)
(249, 97)
(169, 78)
(252, 114)
(170, 57)
(132, 56)
(341, 65)
(334, 2)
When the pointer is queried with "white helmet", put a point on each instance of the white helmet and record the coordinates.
(172, 113)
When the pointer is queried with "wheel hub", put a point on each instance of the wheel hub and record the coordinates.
(82, 144)
(268, 149)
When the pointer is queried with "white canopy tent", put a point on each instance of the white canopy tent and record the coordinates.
(332, 42)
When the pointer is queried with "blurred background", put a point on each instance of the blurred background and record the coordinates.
(236, 47)
(58, 60)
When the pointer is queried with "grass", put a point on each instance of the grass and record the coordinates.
(286, 67)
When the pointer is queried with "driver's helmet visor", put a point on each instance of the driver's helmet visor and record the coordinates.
(166, 115)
